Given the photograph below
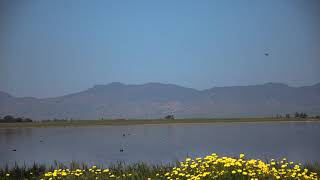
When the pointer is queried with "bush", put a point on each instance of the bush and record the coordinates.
(169, 117)
(11, 119)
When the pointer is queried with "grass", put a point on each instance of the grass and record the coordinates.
(80, 123)
(38, 171)
(209, 167)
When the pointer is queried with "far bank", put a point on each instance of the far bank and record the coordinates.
(124, 122)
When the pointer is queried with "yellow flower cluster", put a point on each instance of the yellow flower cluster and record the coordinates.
(92, 172)
(209, 167)
(215, 167)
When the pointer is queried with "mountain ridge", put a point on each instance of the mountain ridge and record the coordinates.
(155, 100)
(123, 84)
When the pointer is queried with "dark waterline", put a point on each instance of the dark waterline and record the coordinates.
(159, 143)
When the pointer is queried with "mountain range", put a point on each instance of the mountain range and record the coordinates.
(156, 100)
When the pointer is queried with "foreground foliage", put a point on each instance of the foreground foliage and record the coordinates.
(209, 167)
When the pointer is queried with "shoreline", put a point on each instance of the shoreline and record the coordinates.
(133, 122)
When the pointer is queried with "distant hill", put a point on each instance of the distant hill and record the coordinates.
(155, 100)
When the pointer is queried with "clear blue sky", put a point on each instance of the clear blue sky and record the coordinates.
(52, 48)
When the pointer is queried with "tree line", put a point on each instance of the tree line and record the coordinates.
(11, 119)
(296, 115)
(300, 115)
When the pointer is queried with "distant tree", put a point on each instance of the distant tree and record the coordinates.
(300, 115)
(303, 115)
(18, 119)
(27, 120)
(11, 119)
(287, 115)
(169, 117)
(8, 118)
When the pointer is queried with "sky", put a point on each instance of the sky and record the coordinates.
(52, 48)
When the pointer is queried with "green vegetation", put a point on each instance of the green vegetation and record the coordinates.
(300, 115)
(39, 171)
(80, 123)
(11, 119)
(209, 167)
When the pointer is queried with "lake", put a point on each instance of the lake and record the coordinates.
(160, 143)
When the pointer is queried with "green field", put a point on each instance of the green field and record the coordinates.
(115, 122)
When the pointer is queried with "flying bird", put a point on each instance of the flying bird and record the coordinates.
(266, 54)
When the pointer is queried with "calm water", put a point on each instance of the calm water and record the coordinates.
(160, 143)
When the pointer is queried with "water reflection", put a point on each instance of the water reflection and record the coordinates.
(10, 135)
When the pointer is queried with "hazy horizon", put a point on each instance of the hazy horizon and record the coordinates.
(125, 84)
(53, 48)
